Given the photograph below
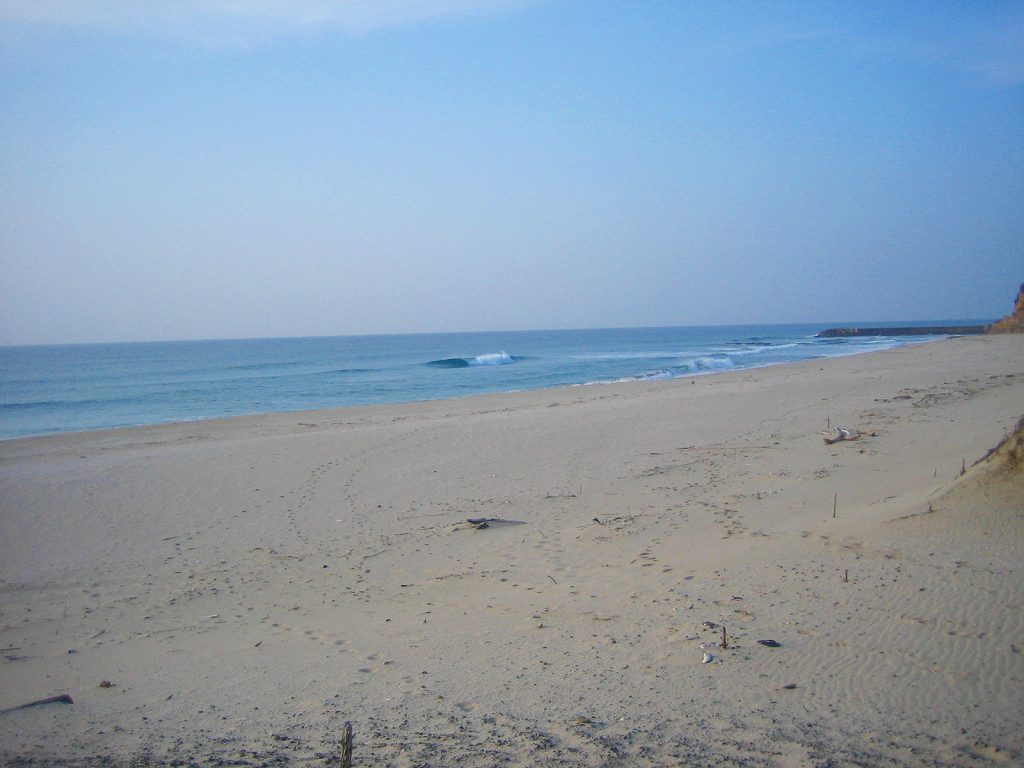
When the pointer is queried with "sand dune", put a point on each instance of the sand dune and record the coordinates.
(246, 586)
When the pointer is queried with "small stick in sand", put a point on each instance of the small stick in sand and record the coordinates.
(963, 467)
(346, 747)
(725, 639)
(846, 575)
(835, 502)
(62, 699)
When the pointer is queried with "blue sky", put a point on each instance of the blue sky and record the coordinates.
(234, 168)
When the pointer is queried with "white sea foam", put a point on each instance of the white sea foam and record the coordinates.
(760, 350)
(693, 366)
(495, 358)
(709, 364)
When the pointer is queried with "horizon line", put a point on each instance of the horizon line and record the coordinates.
(824, 324)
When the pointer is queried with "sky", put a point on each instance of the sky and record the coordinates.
(198, 169)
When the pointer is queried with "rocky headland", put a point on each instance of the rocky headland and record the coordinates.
(1014, 322)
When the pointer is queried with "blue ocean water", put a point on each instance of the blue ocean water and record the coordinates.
(48, 389)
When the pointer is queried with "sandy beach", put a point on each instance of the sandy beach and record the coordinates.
(233, 592)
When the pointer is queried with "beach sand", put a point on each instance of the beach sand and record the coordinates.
(232, 592)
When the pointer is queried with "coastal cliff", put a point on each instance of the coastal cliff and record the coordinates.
(1012, 323)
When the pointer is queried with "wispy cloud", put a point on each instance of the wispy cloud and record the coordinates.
(988, 46)
(984, 42)
(1003, 60)
(241, 20)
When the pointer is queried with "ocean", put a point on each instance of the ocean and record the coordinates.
(52, 389)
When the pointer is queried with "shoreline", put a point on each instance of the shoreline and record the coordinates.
(639, 381)
(247, 585)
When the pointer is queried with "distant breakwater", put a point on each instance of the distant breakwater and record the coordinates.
(935, 330)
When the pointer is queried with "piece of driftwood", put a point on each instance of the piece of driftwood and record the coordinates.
(346, 747)
(62, 699)
(841, 434)
(479, 523)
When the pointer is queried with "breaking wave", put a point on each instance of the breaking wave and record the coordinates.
(495, 358)
(690, 367)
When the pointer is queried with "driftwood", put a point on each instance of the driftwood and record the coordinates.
(62, 699)
(346, 747)
(844, 434)
(480, 523)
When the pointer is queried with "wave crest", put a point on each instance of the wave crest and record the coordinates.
(494, 358)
